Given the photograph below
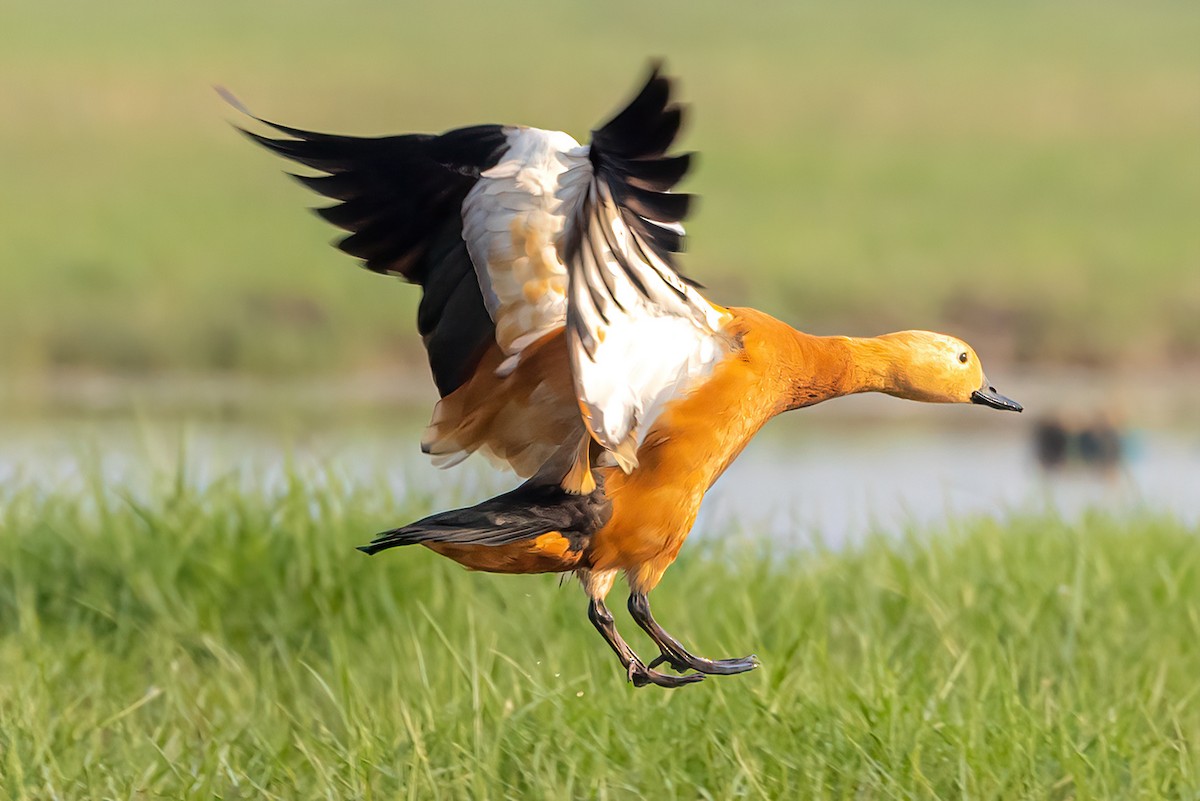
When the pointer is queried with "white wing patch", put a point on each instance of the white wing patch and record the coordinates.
(638, 335)
(512, 219)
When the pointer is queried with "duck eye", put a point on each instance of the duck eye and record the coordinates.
(962, 357)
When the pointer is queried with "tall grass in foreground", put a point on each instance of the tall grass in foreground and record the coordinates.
(229, 642)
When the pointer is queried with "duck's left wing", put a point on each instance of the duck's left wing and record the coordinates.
(400, 200)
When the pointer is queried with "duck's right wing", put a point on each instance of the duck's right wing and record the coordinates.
(574, 245)
(640, 334)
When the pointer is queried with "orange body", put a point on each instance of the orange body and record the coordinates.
(771, 368)
(547, 553)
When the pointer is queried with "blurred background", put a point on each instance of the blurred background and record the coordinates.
(1023, 175)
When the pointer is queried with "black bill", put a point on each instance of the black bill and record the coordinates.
(988, 396)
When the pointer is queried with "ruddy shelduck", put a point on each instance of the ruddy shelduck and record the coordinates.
(566, 345)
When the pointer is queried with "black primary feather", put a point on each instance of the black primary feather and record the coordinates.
(400, 198)
(628, 155)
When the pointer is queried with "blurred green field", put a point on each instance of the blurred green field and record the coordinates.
(1025, 174)
(229, 642)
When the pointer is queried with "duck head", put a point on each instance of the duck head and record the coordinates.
(937, 368)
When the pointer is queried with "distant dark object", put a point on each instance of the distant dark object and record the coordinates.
(1092, 443)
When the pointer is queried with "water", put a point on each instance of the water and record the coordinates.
(837, 489)
(808, 478)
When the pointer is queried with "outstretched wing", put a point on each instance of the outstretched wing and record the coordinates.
(400, 197)
(552, 310)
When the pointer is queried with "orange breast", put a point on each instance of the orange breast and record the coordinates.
(688, 448)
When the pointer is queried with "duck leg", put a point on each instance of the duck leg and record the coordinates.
(638, 673)
(673, 652)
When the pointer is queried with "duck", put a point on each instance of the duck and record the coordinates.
(1067, 439)
(567, 345)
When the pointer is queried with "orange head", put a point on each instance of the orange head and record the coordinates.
(936, 368)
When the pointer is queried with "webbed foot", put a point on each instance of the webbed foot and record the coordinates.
(672, 652)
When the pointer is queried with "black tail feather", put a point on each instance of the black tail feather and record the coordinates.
(525, 513)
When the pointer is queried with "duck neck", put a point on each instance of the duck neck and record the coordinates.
(835, 366)
(873, 363)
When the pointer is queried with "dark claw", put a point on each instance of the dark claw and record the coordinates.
(713, 667)
(726, 667)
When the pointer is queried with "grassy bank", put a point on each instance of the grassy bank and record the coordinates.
(1025, 174)
(229, 642)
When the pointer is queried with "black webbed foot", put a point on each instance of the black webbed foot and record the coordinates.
(672, 651)
(636, 671)
(712, 667)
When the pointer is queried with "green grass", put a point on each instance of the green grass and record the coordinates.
(229, 642)
(1025, 174)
